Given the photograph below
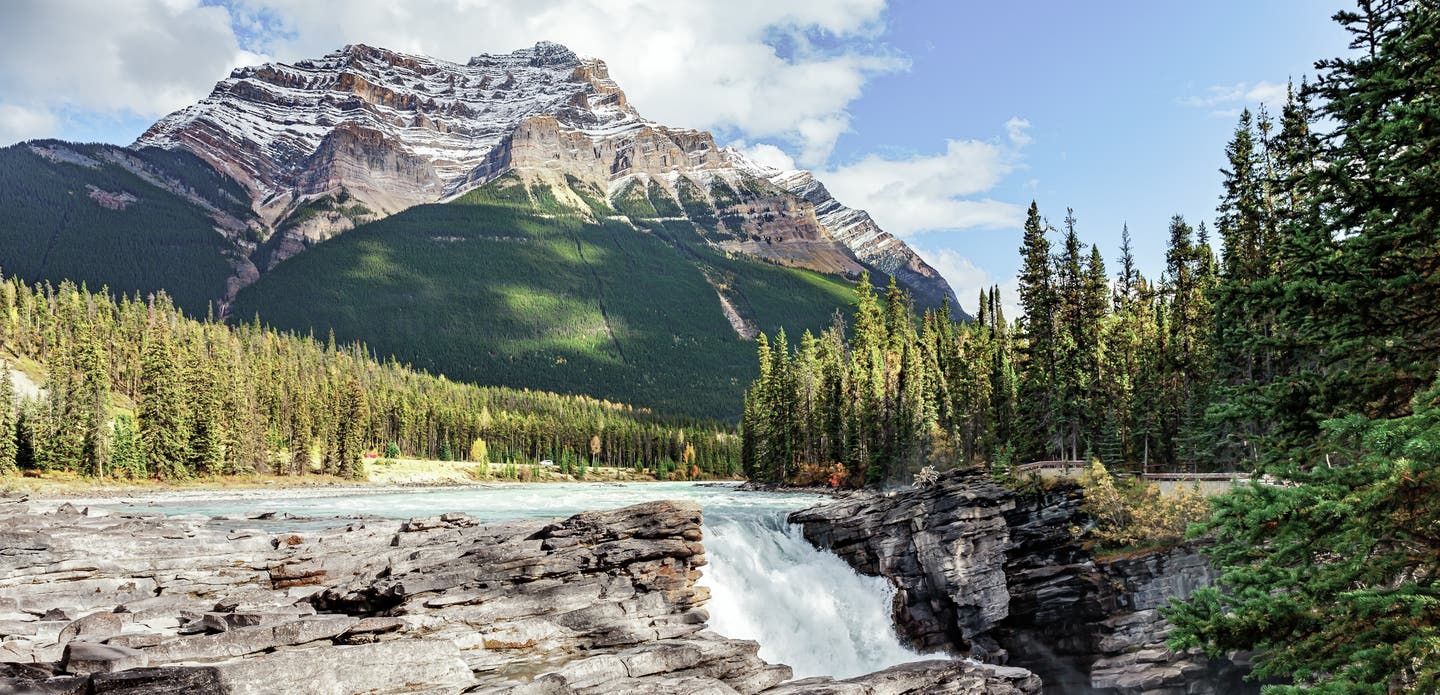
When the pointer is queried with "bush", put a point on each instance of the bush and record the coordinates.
(1132, 514)
(809, 474)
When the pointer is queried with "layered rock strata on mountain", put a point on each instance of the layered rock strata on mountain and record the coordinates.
(983, 571)
(857, 231)
(131, 603)
(323, 145)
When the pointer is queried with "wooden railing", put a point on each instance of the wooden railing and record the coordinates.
(1154, 473)
(1066, 466)
(1150, 473)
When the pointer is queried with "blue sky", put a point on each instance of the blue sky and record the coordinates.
(944, 119)
(1112, 91)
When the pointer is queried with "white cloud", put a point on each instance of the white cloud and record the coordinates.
(968, 279)
(22, 123)
(1226, 101)
(145, 57)
(929, 192)
(1017, 129)
(765, 154)
(708, 65)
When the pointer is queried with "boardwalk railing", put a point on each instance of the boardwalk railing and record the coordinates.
(1154, 473)
(1069, 468)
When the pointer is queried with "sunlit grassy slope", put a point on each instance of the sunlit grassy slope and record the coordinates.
(507, 287)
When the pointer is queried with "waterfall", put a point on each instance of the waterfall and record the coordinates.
(806, 608)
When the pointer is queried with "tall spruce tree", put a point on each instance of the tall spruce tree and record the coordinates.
(1331, 572)
(9, 439)
(164, 423)
(1038, 354)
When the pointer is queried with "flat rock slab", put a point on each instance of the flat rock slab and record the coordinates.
(601, 602)
(85, 658)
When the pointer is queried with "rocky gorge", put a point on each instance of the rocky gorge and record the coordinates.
(1001, 576)
(105, 601)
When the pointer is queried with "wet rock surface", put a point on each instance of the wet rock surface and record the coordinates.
(984, 571)
(129, 603)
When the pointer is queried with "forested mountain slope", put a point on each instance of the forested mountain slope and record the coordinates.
(509, 286)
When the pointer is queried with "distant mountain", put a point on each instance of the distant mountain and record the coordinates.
(530, 166)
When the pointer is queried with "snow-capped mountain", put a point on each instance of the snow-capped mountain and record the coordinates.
(362, 133)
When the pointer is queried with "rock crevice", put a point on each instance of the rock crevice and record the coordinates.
(130, 603)
(997, 575)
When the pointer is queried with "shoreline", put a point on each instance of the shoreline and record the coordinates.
(254, 487)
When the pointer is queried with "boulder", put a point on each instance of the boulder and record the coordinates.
(85, 658)
(94, 628)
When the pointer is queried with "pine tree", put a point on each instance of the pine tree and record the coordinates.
(126, 458)
(1038, 354)
(164, 424)
(1331, 570)
(354, 413)
(9, 439)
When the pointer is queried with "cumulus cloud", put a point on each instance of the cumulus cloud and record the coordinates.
(145, 57)
(930, 192)
(968, 279)
(766, 154)
(1227, 100)
(709, 65)
(22, 123)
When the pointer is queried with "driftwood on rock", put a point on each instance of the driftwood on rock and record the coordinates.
(131, 603)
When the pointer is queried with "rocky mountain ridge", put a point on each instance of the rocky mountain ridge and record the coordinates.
(362, 133)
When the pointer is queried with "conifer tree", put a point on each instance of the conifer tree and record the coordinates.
(354, 414)
(1038, 354)
(1331, 570)
(164, 424)
(126, 458)
(8, 436)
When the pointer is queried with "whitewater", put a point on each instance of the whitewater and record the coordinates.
(805, 607)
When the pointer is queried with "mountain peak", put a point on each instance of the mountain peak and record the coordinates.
(374, 131)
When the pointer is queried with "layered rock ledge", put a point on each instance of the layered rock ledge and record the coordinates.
(128, 603)
(997, 575)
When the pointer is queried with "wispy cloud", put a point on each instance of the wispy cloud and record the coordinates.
(1018, 130)
(1226, 101)
(968, 279)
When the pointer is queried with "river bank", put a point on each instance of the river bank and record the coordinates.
(135, 601)
(381, 476)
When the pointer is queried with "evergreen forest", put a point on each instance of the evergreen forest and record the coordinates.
(1297, 340)
(133, 388)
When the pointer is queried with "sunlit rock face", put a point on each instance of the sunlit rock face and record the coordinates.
(999, 575)
(325, 144)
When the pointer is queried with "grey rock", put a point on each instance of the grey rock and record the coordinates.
(94, 628)
(600, 602)
(85, 658)
(984, 571)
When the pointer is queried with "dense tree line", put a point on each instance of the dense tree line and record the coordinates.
(1121, 370)
(1307, 352)
(1331, 324)
(133, 388)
